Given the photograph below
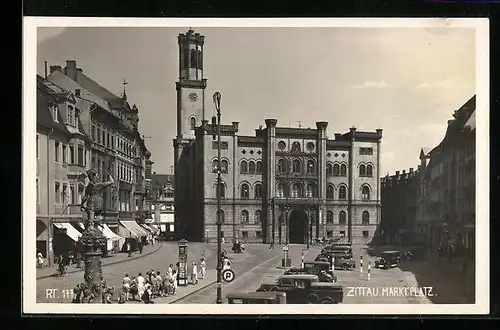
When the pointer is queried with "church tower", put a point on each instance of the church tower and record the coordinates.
(190, 114)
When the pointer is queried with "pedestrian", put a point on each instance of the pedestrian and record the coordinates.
(140, 285)
(158, 284)
(77, 292)
(203, 267)
(108, 296)
(170, 269)
(39, 260)
(194, 274)
(271, 247)
(126, 286)
(173, 281)
(140, 247)
(134, 292)
(146, 296)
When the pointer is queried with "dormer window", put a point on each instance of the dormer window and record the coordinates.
(71, 115)
(54, 110)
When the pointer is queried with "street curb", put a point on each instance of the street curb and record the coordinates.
(107, 264)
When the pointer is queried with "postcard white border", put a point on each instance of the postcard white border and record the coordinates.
(482, 167)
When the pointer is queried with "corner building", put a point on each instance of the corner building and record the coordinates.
(327, 187)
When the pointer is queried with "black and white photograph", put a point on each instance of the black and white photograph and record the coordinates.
(267, 161)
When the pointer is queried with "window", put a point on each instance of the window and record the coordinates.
(244, 234)
(329, 170)
(223, 166)
(64, 193)
(366, 151)
(72, 194)
(64, 160)
(295, 147)
(200, 60)
(56, 151)
(330, 192)
(336, 170)
(281, 166)
(329, 218)
(342, 233)
(57, 192)
(37, 192)
(369, 170)
(193, 58)
(342, 193)
(215, 166)
(251, 167)
(365, 233)
(152, 207)
(365, 193)
(311, 190)
(258, 169)
(103, 139)
(98, 135)
(108, 140)
(243, 167)
(342, 218)
(258, 234)
(192, 123)
(72, 154)
(311, 168)
(77, 92)
(362, 170)
(244, 217)
(92, 132)
(296, 190)
(258, 191)
(258, 217)
(244, 191)
(37, 146)
(296, 166)
(80, 156)
(185, 58)
(221, 216)
(343, 170)
(113, 142)
(71, 115)
(280, 190)
(365, 218)
(329, 234)
(54, 109)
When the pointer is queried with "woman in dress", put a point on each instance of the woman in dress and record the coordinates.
(126, 286)
(140, 285)
(173, 281)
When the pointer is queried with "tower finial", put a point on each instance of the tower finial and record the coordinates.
(124, 83)
(300, 124)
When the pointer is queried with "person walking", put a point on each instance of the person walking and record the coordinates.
(173, 281)
(140, 285)
(39, 260)
(126, 286)
(203, 267)
(271, 247)
(194, 273)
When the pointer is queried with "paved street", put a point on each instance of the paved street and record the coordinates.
(259, 265)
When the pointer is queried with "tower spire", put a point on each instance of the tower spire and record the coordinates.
(124, 95)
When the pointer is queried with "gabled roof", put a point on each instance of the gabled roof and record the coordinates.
(43, 115)
(96, 89)
(471, 122)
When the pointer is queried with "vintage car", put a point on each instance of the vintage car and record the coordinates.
(337, 249)
(306, 289)
(415, 252)
(271, 297)
(388, 259)
(319, 268)
(341, 260)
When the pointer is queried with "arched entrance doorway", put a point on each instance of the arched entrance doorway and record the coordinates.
(298, 226)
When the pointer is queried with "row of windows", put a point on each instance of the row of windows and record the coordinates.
(192, 58)
(329, 233)
(296, 191)
(67, 155)
(65, 194)
(336, 170)
(106, 138)
(365, 218)
(250, 167)
(245, 216)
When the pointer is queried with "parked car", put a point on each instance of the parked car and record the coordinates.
(318, 268)
(306, 289)
(337, 249)
(388, 259)
(341, 260)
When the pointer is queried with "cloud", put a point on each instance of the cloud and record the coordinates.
(372, 84)
(445, 84)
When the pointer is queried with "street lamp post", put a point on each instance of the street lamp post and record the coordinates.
(216, 122)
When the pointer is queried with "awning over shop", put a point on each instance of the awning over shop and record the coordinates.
(149, 228)
(70, 230)
(125, 232)
(134, 228)
(109, 233)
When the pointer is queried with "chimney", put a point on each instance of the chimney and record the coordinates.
(54, 68)
(71, 70)
(411, 169)
(397, 173)
(404, 171)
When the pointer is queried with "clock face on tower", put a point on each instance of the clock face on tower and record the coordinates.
(193, 97)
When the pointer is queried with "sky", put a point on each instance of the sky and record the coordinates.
(407, 81)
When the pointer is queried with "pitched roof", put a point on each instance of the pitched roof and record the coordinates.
(158, 180)
(471, 122)
(43, 115)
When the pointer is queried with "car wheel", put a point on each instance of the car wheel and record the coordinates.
(312, 298)
(327, 300)
(345, 267)
(386, 266)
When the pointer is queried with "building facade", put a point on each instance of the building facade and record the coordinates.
(81, 125)
(399, 207)
(282, 182)
(447, 193)
(162, 204)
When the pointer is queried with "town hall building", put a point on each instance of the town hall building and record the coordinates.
(302, 178)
